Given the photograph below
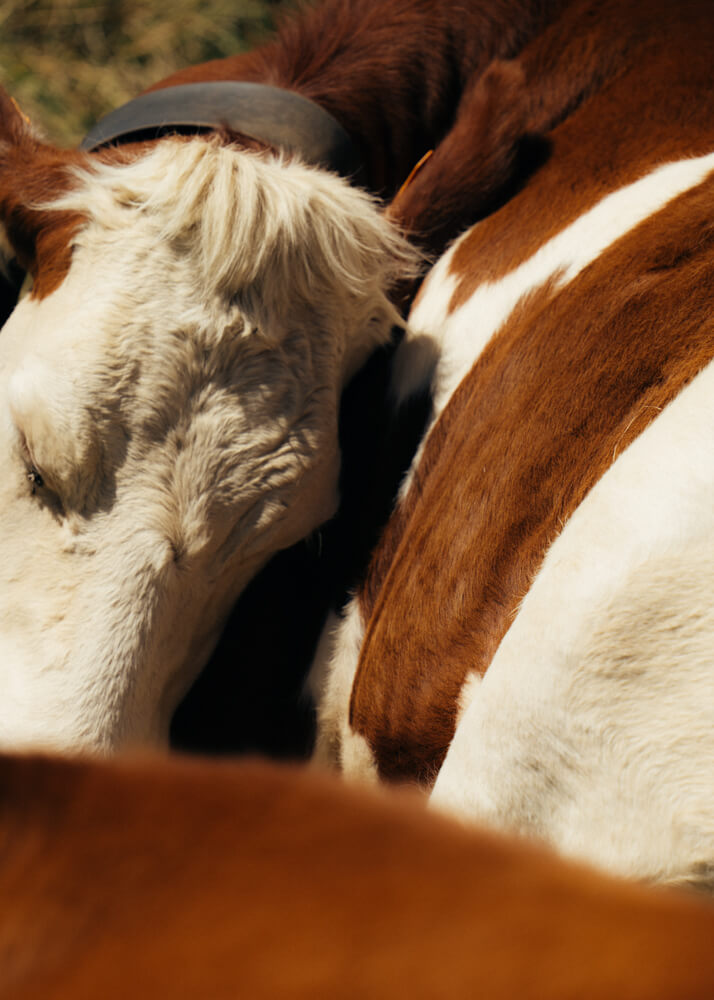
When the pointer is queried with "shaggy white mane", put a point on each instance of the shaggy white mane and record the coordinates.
(259, 229)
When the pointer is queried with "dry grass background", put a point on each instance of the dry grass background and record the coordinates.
(68, 62)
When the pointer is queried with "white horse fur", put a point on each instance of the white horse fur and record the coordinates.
(593, 727)
(168, 420)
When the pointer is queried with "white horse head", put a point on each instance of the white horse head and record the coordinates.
(168, 409)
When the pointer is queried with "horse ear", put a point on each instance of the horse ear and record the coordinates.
(15, 126)
(16, 131)
(32, 174)
(17, 146)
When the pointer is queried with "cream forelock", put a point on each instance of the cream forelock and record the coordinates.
(280, 239)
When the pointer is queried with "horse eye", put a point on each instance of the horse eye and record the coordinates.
(35, 479)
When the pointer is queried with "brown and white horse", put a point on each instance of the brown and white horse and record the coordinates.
(185, 879)
(169, 388)
(535, 635)
(535, 628)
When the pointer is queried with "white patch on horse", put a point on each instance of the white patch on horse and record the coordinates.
(463, 334)
(440, 348)
(177, 397)
(469, 691)
(620, 614)
(333, 675)
(417, 357)
(419, 352)
(315, 689)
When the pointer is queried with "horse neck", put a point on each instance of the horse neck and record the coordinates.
(390, 71)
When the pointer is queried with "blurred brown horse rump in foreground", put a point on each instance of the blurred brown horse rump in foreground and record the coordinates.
(187, 880)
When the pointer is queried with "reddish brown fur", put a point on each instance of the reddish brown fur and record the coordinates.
(32, 174)
(185, 879)
(391, 72)
(650, 58)
(563, 388)
(645, 116)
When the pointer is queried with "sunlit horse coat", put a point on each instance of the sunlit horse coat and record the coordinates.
(534, 632)
(535, 635)
(185, 879)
